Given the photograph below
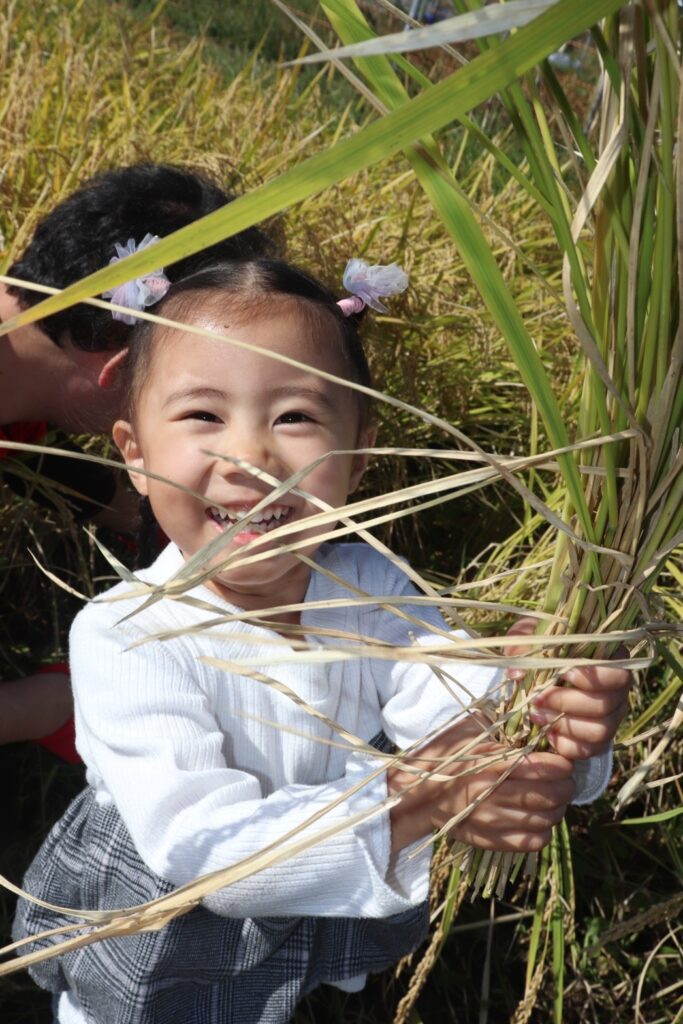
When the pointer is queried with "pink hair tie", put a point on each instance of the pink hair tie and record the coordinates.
(351, 304)
(368, 284)
(141, 291)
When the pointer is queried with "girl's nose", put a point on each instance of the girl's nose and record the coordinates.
(247, 448)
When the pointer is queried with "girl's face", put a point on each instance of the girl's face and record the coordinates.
(205, 396)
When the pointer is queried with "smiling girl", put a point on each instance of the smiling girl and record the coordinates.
(191, 396)
(195, 762)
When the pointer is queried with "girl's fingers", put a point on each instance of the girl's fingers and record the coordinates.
(558, 701)
(518, 813)
(598, 678)
(580, 725)
(576, 750)
(525, 626)
(523, 821)
(518, 799)
(539, 784)
(538, 769)
(577, 738)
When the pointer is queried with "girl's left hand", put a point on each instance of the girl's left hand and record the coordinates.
(585, 713)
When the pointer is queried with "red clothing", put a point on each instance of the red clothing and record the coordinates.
(62, 741)
(29, 433)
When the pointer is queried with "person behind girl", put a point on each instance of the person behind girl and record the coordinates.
(194, 762)
(61, 372)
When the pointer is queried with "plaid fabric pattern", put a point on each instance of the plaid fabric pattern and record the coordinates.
(200, 968)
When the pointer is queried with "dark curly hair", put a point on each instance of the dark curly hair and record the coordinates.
(78, 238)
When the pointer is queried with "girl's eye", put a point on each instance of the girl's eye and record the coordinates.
(203, 415)
(293, 417)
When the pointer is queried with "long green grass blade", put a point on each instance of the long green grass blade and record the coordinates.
(461, 223)
(653, 819)
(431, 110)
(472, 25)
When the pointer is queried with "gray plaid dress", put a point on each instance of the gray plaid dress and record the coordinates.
(201, 968)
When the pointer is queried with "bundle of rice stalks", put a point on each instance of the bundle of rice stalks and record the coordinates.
(612, 195)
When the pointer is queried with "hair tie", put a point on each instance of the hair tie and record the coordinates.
(368, 284)
(141, 291)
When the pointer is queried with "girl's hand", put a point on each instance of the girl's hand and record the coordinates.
(584, 715)
(515, 811)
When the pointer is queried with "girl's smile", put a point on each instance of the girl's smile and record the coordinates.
(205, 398)
(255, 524)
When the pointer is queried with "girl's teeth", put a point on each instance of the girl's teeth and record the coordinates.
(264, 518)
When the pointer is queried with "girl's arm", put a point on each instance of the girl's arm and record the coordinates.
(585, 713)
(148, 735)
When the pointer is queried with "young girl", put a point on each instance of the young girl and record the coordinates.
(188, 771)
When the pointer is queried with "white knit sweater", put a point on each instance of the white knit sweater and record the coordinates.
(202, 778)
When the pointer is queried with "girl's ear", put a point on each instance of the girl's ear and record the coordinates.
(366, 439)
(124, 439)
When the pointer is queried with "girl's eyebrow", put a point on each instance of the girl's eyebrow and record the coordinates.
(295, 391)
(193, 391)
(285, 391)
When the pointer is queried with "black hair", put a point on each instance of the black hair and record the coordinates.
(78, 237)
(254, 286)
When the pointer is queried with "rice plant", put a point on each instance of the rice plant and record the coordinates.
(610, 192)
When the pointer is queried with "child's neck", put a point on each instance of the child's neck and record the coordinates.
(290, 590)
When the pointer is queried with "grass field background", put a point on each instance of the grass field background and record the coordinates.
(87, 86)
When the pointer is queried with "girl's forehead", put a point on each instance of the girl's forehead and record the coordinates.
(287, 332)
(249, 307)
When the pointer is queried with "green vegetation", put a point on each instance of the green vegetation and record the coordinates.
(233, 31)
(483, 230)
